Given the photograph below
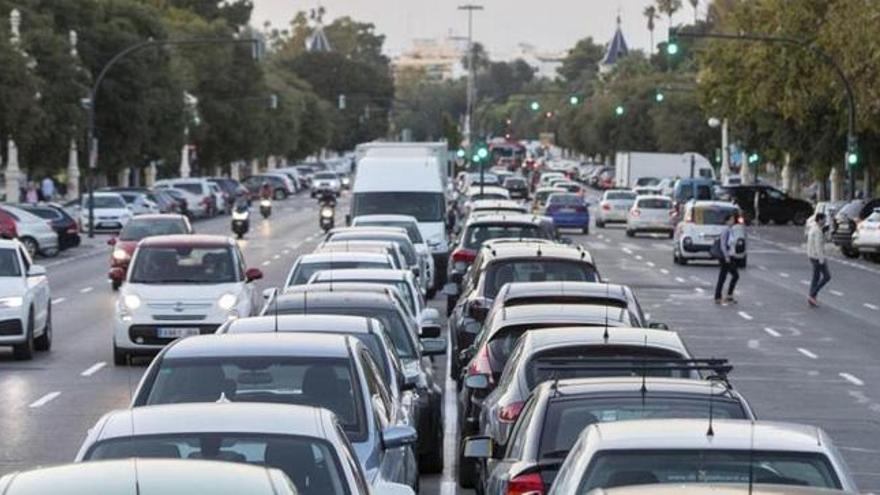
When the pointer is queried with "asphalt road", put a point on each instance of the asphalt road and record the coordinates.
(793, 362)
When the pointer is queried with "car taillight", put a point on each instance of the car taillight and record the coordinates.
(606, 206)
(526, 484)
(635, 212)
(510, 412)
(481, 365)
(465, 255)
(740, 220)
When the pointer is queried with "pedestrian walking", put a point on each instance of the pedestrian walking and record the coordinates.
(724, 252)
(32, 196)
(48, 188)
(816, 254)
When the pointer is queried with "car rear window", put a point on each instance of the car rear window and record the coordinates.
(304, 271)
(624, 195)
(44, 213)
(562, 299)
(514, 182)
(476, 235)
(655, 204)
(565, 199)
(412, 229)
(537, 270)
(138, 229)
(311, 381)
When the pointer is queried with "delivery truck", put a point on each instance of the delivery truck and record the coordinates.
(632, 166)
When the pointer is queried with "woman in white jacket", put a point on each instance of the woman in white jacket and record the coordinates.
(816, 254)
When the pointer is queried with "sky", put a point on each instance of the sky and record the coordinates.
(551, 25)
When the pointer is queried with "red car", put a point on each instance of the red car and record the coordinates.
(138, 228)
(7, 226)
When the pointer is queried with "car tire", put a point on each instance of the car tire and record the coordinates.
(30, 245)
(115, 285)
(25, 350)
(630, 233)
(799, 218)
(450, 304)
(120, 357)
(431, 293)
(849, 252)
(601, 225)
(44, 342)
(279, 195)
(671, 235)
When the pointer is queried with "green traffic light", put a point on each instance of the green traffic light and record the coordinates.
(672, 48)
(482, 153)
(619, 110)
(536, 106)
(852, 158)
(754, 158)
(574, 100)
(476, 158)
(659, 97)
(460, 153)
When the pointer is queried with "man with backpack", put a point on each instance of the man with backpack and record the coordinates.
(723, 252)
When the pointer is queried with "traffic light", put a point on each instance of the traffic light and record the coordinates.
(619, 110)
(659, 96)
(482, 152)
(460, 153)
(852, 152)
(574, 100)
(754, 158)
(672, 43)
(475, 158)
(535, 106)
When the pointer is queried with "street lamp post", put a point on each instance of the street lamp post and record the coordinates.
(91, 102)
(470, 8)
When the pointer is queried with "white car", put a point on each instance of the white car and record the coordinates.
(402, 280)
(138, 202)
(111, 212)
(326, 182)
(35, 233)
(651, 213)
(702, 223)
(614, 206)
(308, 264)
(25, 302)
(200, 199)
(177, 286)
(866, 238)
(411, 226)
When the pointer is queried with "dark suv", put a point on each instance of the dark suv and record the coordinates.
(844, 223)
(773, 205)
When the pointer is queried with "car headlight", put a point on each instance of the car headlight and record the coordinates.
(132, 301)
(11, 302)
(227, 301)
(120, 254)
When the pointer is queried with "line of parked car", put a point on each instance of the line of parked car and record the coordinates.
(566, 387)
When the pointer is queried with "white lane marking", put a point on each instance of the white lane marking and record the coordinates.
(699, 289)
(93, 368)
(837, 293)
(871, 306)
(783, 275)
(754, 343)
(851, 378)
(772, 333)
(276, 256)
(805, 282)
(664, 271)
(679, 280)
(309, 238)
(86, 290)
(59, 300)
(745, 315)
(448, 484)
(650, 263)
(762, 268)
(627, 250)
(286, 251)
(807, 353)
(639, 257)
(42, 401)
(266, 263)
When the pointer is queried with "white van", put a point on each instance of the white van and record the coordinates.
(406, 185)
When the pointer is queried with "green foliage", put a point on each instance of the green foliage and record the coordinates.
(582, 62)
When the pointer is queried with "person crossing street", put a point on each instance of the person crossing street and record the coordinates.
(816, 254)
(724, 252)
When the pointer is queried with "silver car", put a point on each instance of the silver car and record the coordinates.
(334, 372)
(411, 225)
(614, 206)
(397, 235)
(657, 451)
(653, 214)
(34, 232)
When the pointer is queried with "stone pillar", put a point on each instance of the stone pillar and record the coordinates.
(73, 171)
(725, 151)
(836, 179)
(746, 171)
(151, 174)
(788, 178)
(255, 166)
(12, 174)
(122, 178)
(271, 163)
(185, 169)
(234, 171)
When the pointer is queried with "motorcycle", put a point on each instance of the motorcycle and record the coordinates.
(327, 217)
(265, 207)
(241, 220)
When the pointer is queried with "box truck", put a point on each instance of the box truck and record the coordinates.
(632, 166)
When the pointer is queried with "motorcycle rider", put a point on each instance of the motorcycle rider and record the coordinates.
(265, 190)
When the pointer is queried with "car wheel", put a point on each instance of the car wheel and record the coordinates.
(30, 244)
(120, 357)
(44, 342)
(671, 235)
(25, 350)
(630, 233)
(279, 195)
(115, 285)
(601, 225)
(800, 218)
(849, 252)
(431, 293)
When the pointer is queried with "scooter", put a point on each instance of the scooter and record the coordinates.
(327, 217)
(265, 207)
(241, 220)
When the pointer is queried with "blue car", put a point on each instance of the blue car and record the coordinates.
(568, 211)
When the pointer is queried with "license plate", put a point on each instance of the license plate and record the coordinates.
(108, 224)
(176, 332)
(567, 210)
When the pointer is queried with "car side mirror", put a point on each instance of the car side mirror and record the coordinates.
(658, 325)
(399, 436)
(37, 271)
(477, 311)
(478, 448)
(111, 241)
(116, 274)
(477, 382)
(433, 346)
(253, 274)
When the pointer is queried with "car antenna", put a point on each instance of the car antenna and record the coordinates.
(275, 303)
(605, 335)
(711, 431)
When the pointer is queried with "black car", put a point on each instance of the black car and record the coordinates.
(558, 410)
(518, 187)
(62, 223)
(843, 223)
(773, 205)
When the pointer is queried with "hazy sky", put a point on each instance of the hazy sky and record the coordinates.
(547, 24)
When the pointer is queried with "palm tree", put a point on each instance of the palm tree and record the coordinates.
(695, 4)
(669, 7)
(651, 14)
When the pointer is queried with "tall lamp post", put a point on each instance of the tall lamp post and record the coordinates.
(470, 8)
(91, 101)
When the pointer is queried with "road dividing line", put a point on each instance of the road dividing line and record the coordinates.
(805, 282)
(93, 369)
(807, 353)
(699, 289)
(783, 275)
(772, 333)
(276, 256)
(762, 268)
(639, 257)
(745, 315)
(837, 293)
(266, 263)
(627, 250)
(754, 343)
(42, 401)
(871, 306)
(86, 290)
(448, 484)
(664, 271)
(58, 300)
(679, 280)
(650, 263)
(286, 251)
(846, 376)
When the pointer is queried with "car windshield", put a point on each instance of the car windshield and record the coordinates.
(514, 182)
(641, 467)
(541, 196)
(9, 266)
(310, 463)
(190, 188)
(566, 417)
(712, 215)
(537, 270)
(655, 204)
(620, 195)
(424, 206)
(412, 229)
(304, 271)
(476, 235)
(184, 265)
(311, 381)
(138, 229)
(326, 176)
(105, 202)
(573, 362)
